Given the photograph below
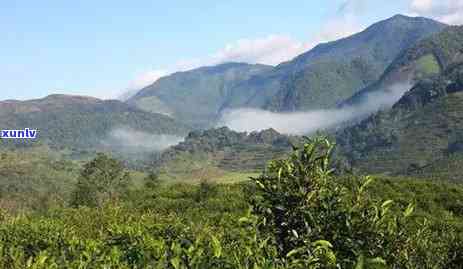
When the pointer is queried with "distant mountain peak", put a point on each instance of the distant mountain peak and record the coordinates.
(319, 78)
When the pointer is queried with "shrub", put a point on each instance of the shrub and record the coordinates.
(316, 221)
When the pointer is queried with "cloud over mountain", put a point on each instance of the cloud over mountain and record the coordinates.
(448, 11)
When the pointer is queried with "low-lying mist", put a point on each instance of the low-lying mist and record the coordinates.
(299, 123)
(128, 140)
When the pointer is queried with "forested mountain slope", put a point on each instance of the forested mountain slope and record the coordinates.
(78, 122)
(429, 57)
(423, 129)
(195, 97)
(332, 72)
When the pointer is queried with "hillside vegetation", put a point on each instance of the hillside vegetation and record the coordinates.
(423, 129)
(218, 152)
(429, 57)
(80, 123)
(195, 97)
(319, 78)
(297, 214)
(330, 73)
(227, 199)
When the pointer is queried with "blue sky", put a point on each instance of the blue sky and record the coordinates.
(102, 48)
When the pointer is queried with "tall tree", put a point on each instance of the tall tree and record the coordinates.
(100, 180)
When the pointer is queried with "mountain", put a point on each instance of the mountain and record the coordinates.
(421, 133)
(195, 97)
(319, 78)
(81, 123)
(428, 57)
(334, 71)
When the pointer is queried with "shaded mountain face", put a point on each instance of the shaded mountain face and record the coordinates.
(195, 97)
(332, 72)
(422, 130)
(82, 123)
(427, 58)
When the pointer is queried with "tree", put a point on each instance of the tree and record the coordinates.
(152, 181)
(100, 180)
(317, 221)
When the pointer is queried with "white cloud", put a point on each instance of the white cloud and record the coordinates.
(127, 139)
(448, 11)
(308, 122)
(141, 81)
(275, 48)
(271, 49)
(146, 78)
(335, 29)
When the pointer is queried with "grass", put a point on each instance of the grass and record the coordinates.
(427, 65)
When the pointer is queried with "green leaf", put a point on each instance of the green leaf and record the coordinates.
(360, 264)
(386, 203)
(376, 261)
(262, 186)
(322, 243)
(409, 210)
(216, 246)
(175, 262)
(368, 181)
(243, 219)
(293, 252)
(294, 232)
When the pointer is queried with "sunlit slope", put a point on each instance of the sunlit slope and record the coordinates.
(334, 71)
(79, 123)
(195, 97)
(430, 56)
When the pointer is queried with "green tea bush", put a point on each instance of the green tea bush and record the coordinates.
(297, 214)
(318, 222)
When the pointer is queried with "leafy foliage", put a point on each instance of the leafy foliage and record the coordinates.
(297, 214)
(323, 224)
(101, 179)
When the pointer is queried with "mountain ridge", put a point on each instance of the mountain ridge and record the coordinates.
(194, 97)
(320, 78)
(356, 60)
(79, 122)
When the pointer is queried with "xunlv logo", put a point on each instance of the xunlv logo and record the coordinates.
(14, 134)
